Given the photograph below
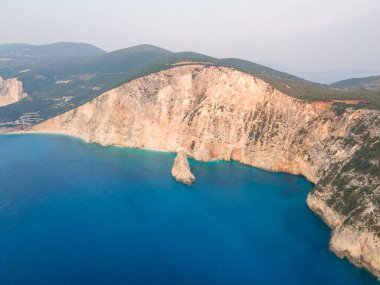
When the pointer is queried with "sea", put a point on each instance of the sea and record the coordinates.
(78, 213)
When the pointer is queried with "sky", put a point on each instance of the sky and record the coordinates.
(320, 40)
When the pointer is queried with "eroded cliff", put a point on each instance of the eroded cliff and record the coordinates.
(221, 113)
(11, 91)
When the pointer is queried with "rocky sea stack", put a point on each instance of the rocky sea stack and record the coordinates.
(181, 169)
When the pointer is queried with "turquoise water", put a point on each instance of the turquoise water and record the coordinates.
(77, 213)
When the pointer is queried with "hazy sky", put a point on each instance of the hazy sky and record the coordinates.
(317, 39)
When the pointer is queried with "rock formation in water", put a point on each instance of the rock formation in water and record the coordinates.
(10, 91)
(181, 168)
(221, 113)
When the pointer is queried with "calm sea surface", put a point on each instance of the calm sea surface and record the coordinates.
(77, 213)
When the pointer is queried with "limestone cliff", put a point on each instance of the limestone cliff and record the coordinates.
(10, 91)
(221, 113)
(181, 169)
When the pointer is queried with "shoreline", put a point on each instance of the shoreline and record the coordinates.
(147, 148)
(348, 257)
(80, 138)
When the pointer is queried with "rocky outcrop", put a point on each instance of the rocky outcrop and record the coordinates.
(361, 246)
(221, 113)
(11, 91)
(181, 169)
(355, 235)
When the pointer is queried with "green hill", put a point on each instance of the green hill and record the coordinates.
(56, 50)
(369, 83)
(16, 57)
(61, 76)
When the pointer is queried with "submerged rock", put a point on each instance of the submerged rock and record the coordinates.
(181, 169)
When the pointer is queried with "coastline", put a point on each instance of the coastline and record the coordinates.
(32, 132)
(302, 139)
(226, 190)
(321, 214)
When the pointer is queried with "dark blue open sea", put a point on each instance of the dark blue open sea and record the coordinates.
(78, 213)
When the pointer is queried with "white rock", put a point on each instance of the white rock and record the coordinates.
(10, 91)
(181, 169)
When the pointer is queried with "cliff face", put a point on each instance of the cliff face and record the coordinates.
(221, 113)
(10, 91)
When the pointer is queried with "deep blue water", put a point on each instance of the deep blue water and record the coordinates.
(77, 213)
